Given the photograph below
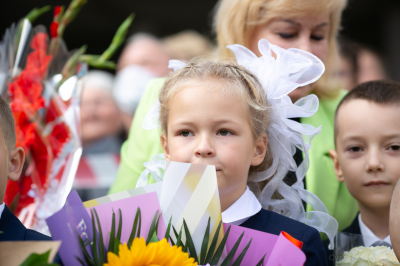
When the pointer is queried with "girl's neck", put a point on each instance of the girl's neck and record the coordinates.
(228, 198)
(376, 219)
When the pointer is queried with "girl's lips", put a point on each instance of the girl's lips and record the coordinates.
(376, 183)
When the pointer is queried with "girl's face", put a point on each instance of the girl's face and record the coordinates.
(308, 33)
(208, 126)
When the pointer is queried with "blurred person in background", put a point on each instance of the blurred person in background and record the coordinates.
(147, 51)
(310, 25)
(370, 66)
(143, 58)
(188, 44)
(101, 122)
(359, 64)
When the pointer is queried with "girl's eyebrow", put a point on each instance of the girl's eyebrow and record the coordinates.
(191, 122)
(299, 24)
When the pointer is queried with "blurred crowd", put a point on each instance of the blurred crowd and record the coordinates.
(109, 102)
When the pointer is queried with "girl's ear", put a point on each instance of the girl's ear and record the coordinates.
(16, 163)
(260, 149)
(336, 165)
(164, 144)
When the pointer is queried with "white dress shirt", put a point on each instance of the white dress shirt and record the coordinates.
(370, 238)
(242, 209)
(2, 208)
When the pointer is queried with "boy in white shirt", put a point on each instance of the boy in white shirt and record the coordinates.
(367, 155)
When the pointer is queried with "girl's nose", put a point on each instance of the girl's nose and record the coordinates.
(304, 43)
(204, 149)
(374, 163)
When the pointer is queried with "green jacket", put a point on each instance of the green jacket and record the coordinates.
(143, 144)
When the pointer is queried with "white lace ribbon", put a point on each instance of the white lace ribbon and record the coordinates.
(155, 168)
(279, 76)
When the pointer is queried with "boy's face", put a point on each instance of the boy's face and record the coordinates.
(367, 156)
(11, 164)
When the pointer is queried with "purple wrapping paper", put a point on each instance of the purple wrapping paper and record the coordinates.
(148, 204)
(66, 223)
(276, 247)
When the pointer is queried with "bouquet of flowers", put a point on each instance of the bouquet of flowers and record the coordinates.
(133, 228)
(38, 76)
(350, 251)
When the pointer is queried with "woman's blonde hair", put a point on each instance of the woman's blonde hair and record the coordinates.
(236, 20)
(229, 77)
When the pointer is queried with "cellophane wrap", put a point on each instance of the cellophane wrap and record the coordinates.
(41, 90)
(350, 250)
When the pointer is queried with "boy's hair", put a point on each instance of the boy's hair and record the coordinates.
(7, 124)
(232, 78)
(383, 92)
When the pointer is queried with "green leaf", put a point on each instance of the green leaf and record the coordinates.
(158, 220)
(89, 260)
(168, 229)
(189, 242)
(35, 258)
(112, 234)
(220, 248)
(178, 240)
(154, 238)
(118, 38)
(119, 226)
(262, 260)
(101, 243)
(204, 245)
(133, 232)
(152, 228)
(176, 234)
(211, 250)
(172, 241)
(94, 245)
(37, 12)
(242, 254)
(116, 246)
(185, 247)
(227, 261)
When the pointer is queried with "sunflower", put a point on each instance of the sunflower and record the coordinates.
(155, 254)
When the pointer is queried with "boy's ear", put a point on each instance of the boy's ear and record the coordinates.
(260, 150)
(336, 165)
(164, 144)
(16, 163)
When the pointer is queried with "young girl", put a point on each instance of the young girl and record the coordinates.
(222, 114)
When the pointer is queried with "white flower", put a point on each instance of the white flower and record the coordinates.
(365, 256)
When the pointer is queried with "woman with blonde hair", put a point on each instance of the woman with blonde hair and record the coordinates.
(310, 25)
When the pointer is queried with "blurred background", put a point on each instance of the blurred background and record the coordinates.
(374, 23)
(370, 49)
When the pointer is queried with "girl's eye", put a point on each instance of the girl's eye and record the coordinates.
(394, 148)
(185, 133)
(224, 132)
(317, 37)
(355, 149)
(286, 35)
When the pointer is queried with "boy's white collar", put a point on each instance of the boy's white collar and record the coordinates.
(2, 208)
(368, 236)
(242, 209)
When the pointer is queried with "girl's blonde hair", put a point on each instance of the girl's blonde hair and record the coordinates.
(236, 20)
(231, 78)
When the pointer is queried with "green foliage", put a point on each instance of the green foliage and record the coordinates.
(37, 12)
(38, 260)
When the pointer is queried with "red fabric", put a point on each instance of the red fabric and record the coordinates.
(296, 242)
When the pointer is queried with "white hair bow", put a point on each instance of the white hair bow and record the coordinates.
(279, 76)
